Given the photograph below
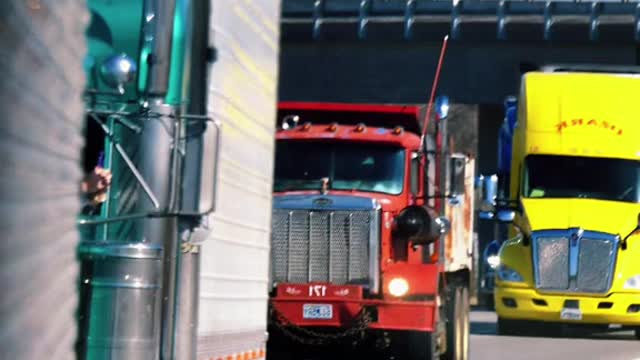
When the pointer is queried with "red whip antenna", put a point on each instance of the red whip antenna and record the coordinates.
(434, 87)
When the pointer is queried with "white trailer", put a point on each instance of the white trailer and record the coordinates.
(234, 258)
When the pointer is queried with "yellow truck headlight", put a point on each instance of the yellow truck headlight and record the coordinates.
(493, 261)
(398, 287)
(506, 273)
(632, 283)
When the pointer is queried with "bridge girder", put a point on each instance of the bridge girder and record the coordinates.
(464, 20)
(385, 50)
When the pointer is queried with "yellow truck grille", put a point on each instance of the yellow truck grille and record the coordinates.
(574, 260)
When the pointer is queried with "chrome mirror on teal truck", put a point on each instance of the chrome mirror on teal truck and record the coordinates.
(118, 70)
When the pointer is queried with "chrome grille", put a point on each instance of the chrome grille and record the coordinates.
(574, 260)
(553, 262)
(321, 245)
(595, 260)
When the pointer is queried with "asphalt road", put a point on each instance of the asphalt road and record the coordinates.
(486, 345)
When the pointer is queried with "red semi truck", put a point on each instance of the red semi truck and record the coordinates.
(372, 232)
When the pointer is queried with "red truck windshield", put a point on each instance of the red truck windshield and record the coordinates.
(551, 176)
(349, 166)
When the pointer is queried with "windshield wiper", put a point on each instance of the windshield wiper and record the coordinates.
(301, 184)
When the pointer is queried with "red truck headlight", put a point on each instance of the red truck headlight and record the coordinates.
(398, 287)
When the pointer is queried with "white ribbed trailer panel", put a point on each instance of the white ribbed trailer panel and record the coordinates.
(235, 256)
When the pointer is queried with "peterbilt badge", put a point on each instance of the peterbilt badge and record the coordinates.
(322, 202)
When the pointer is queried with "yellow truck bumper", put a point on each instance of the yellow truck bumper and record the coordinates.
(528, 304)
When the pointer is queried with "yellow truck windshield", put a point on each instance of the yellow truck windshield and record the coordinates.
(552, 176)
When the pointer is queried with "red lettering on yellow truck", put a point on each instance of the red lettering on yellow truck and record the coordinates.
(560, 126)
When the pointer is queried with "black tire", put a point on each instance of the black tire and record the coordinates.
(422, 346)
(636, 332)
(457, 324)
(508, 327)
(279, 351)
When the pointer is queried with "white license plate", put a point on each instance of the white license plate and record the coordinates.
(571, 314)
(317, 311)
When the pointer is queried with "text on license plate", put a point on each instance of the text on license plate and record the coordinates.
(317, 311)
(571, 314)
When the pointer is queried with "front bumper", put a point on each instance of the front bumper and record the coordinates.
(528, 304)
(387, 315)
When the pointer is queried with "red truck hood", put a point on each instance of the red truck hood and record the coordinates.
(312, 199)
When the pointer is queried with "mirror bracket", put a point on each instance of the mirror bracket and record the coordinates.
(457, 169)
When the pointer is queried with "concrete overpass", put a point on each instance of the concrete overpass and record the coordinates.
(386, 51)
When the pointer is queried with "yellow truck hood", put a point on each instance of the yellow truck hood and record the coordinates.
(612, 217)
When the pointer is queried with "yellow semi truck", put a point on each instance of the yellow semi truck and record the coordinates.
(572, 200)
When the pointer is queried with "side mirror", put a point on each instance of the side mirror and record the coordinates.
(490, 191)
(457, 167)
(210, 161)
(488, 186)
(201, 171)
(505, 216)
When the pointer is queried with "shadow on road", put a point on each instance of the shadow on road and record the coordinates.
(483, 328)
(483, 321)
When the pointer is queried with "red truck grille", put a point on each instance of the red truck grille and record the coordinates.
(321, 246)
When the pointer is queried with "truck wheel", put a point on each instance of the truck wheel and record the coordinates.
(422, 345)
(465, 323)
(457, 324)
